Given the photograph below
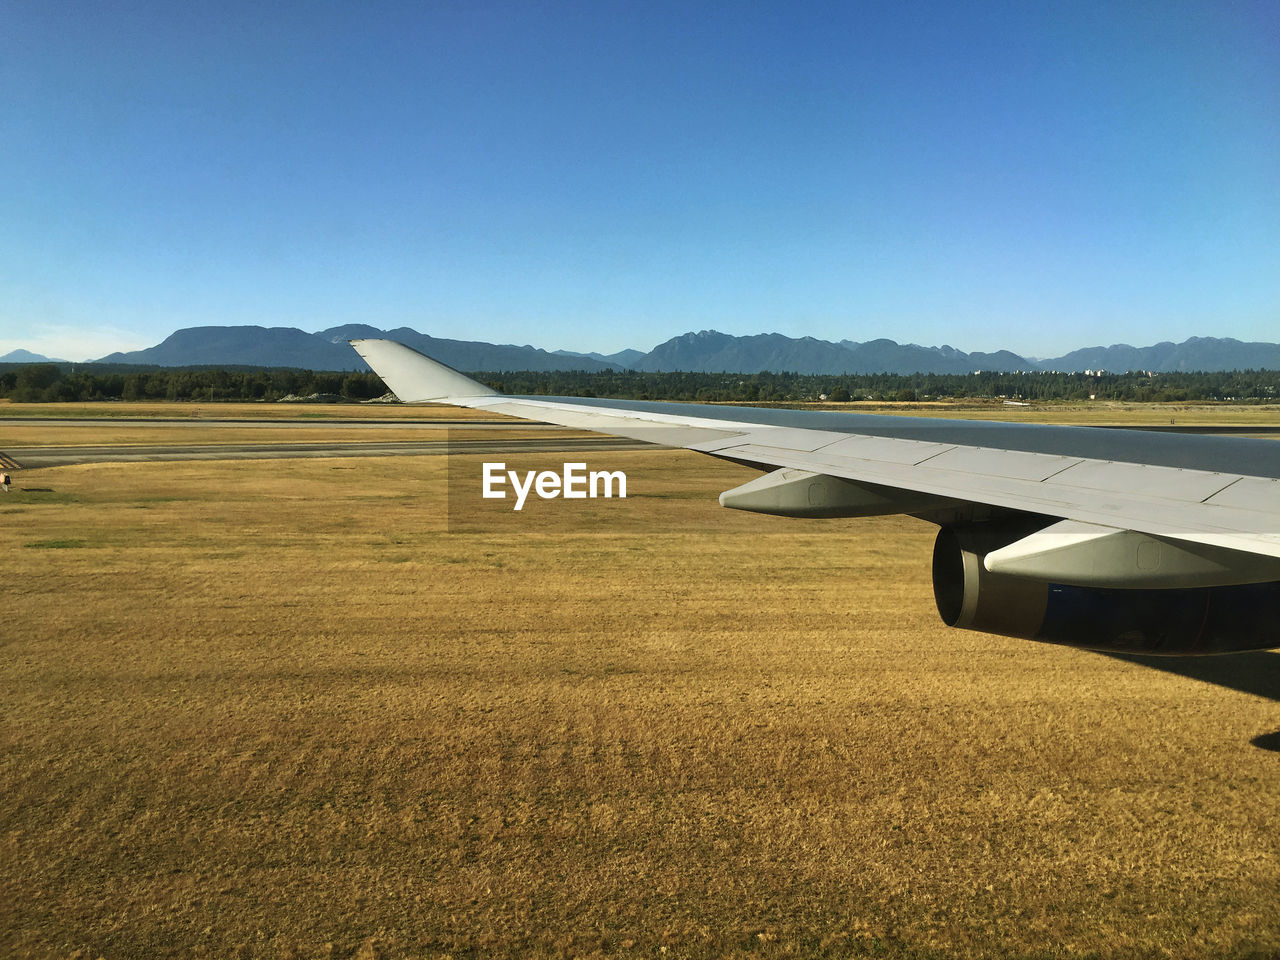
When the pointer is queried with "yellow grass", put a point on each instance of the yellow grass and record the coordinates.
(126, 433)
(1097, 413)
(275, 709)
(231, 411)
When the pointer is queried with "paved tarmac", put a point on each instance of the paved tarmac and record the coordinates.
(291, 424)
(1251, 431)
(31, 458)
(34, 457)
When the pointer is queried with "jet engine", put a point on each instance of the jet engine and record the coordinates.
(1177, 620)
(1060, 581)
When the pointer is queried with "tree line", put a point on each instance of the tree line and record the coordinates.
(1249, 385)
(46, 382)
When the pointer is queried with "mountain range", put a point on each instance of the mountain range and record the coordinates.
(706, 351)
(26, 356)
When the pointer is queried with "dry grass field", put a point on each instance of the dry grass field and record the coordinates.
(55, 434)
(237, 411)
(1094, 413)
(278, 709)
(1102, 412)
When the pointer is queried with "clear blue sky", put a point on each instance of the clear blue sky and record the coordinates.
(596, 175)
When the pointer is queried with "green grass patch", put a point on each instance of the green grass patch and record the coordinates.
(54, 544)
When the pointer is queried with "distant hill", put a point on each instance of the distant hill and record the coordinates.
(707, 351)
(26, 356)
(625, 359)
(713, 352)
(255, 346)
(1198, 353)
(466, 354)
(710, 351)
(329, 350)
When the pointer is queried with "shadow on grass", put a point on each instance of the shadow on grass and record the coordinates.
(1256, 672)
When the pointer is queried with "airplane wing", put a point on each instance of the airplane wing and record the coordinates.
(1028, 513)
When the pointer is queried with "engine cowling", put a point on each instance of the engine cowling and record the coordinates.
(1176, 622)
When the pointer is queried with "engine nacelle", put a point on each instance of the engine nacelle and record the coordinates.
(1175, 622)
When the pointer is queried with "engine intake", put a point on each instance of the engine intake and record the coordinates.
(1203, 620)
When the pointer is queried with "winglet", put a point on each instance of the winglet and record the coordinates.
(413, 376)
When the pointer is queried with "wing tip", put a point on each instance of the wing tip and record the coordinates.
(415, 377)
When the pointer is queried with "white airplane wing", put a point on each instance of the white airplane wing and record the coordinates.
(1035, 520)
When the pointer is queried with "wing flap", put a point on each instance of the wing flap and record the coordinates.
(884, 449)
(1248, 493)
(1170, 483)
(1014, 464)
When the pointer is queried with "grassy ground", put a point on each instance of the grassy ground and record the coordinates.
(1096, 412)
(56, 434)
(275, 709)
(233, 411)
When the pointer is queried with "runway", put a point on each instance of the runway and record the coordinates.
(1237, 430)
(1252, 431)
(289, 423)
(31, 458)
